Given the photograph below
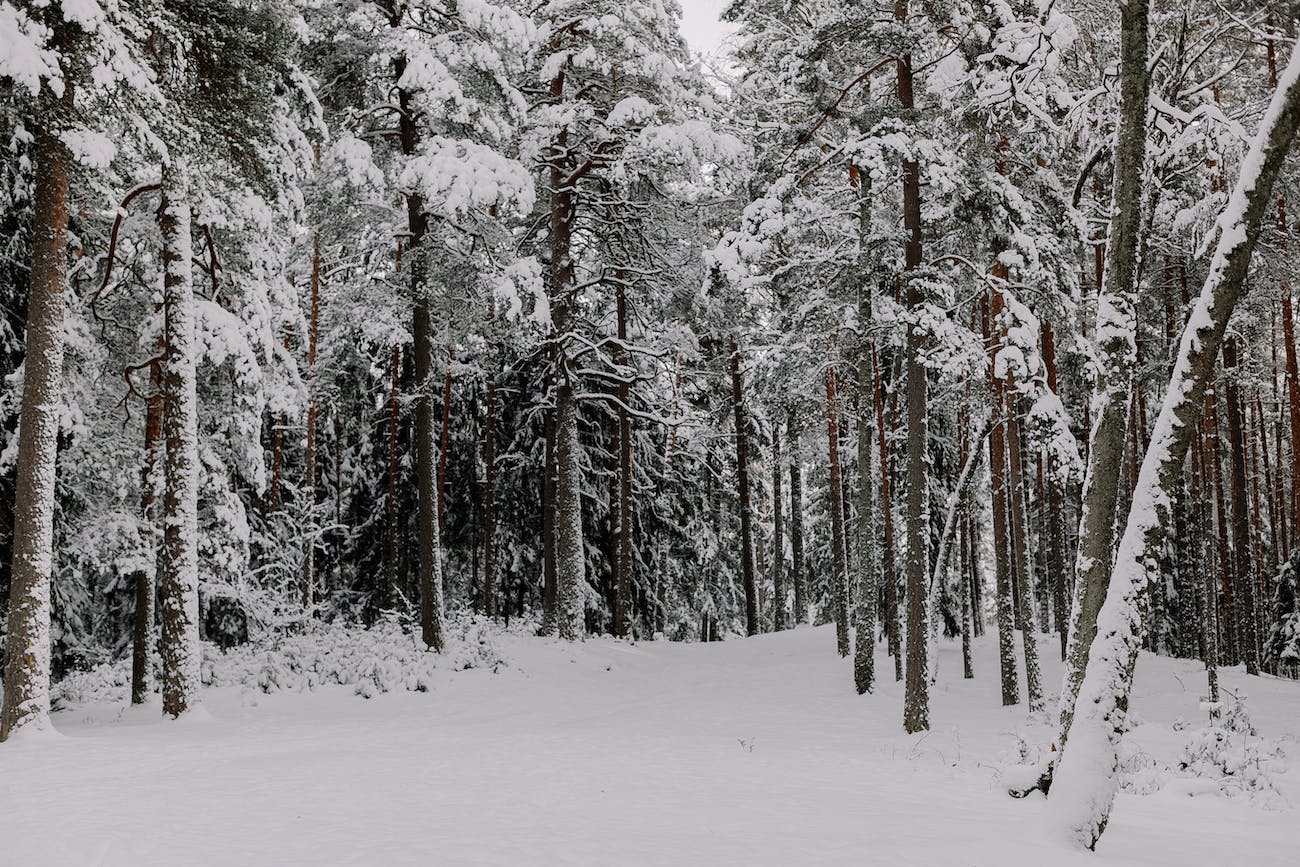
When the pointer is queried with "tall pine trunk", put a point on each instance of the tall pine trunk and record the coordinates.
(839, 569)
(490, 472)
(566, 503)
(308, 593)
(1247, 623)
(390, 519)
(798, 567)
(998, 481)
(27, 639)
(623, 572)
(179, 586)
(778, 535)
(742, 485)
(1020, 547)
(916, 699)
(426, 449)
(864, 665)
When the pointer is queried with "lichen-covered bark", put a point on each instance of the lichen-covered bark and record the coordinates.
(1115, 348)
(1085, 783)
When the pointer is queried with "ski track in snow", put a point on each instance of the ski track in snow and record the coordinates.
(746, 752)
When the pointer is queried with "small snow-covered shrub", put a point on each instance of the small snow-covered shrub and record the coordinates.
(110, 681)
(1228, 754)
(384, 658)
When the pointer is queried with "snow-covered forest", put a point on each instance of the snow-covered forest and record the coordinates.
(891, 412)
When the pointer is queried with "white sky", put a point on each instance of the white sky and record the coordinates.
(700, 24)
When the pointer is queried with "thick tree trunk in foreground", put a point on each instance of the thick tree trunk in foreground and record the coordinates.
(566, 502)
(1115, 347)
(1086, 778)
(179, 587)
(27, 640)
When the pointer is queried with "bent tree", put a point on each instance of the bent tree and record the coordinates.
(1086, 780)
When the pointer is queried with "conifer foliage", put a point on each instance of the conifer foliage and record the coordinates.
(915, 319)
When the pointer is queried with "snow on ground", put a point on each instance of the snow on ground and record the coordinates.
(749, 752)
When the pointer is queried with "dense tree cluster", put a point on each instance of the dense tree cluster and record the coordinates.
(922, 319)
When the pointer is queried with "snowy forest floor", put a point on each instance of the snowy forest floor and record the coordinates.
(749, 752)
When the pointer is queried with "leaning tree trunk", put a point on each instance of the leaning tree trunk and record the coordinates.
(179, 587)
(27, 641)
(1115, 345)
(1087, 777)
(916, 699)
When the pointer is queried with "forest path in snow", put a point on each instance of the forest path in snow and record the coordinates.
(746, 752)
